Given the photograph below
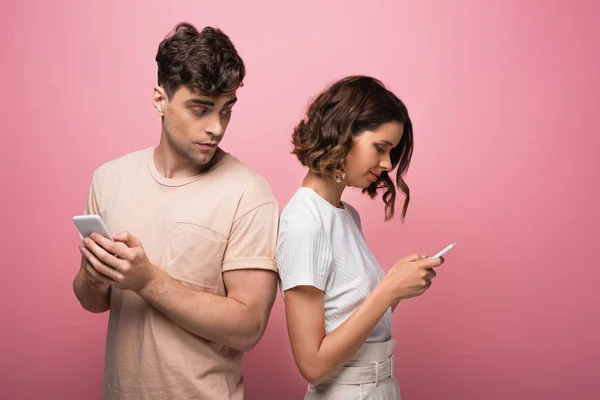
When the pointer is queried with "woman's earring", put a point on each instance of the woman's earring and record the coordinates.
(340, 175)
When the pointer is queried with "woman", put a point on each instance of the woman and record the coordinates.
(338, 299)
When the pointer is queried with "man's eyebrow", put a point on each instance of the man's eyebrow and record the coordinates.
(209, 102)
(201, 102)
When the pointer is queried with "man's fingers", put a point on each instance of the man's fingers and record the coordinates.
(127, 238)
(107, 271)
(103, 242)
(99, 266)
(96, 276)
(102, 254)
(123, 252)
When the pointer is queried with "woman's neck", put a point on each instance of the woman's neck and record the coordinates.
(327, 188)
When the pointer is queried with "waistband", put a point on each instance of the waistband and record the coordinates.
(371, 364)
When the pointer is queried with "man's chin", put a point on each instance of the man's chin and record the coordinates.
(203, 160)
(206, 158)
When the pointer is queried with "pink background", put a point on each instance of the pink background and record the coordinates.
(504, 98)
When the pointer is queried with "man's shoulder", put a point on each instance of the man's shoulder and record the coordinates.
(248, 180)
(127, 162)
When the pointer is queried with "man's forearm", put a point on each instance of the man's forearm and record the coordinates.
(91, 298)
(223, 320)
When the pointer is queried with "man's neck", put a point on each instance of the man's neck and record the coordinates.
(171, 165)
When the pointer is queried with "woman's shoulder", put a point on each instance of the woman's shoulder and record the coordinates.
(304, 213)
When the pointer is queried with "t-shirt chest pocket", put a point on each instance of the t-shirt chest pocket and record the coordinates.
(194, 254)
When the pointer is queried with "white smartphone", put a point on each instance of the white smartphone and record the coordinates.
(88, 224)
(447, 249)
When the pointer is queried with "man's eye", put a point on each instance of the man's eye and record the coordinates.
(199, 111)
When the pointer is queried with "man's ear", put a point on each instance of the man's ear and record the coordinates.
(160, 100)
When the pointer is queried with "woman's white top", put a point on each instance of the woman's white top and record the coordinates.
(323, 246)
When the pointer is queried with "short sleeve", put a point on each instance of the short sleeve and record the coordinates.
(304, 253)
(252, 240)
(92, 207)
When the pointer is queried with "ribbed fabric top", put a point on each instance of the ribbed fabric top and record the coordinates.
(323, 246)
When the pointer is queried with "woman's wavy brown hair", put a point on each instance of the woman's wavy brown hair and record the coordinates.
(347, 108)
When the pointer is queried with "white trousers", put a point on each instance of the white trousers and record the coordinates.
(369, 375)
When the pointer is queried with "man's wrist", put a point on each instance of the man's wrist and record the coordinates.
(155, 281)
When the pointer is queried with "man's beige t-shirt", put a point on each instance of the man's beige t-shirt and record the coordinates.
(195, 229)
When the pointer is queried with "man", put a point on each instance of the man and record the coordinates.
(190, 278)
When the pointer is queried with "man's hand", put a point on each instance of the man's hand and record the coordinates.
(93, 277)
(123, 262)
